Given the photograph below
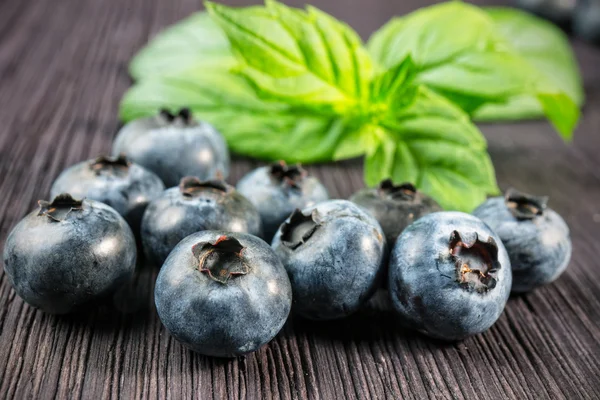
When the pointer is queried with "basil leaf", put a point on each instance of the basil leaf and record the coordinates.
(196, 41)
(203, 90)
(380, 160)
(565, 113)
(472, 68)
(388, 91)
(432, 143)
(356, 141)
(433, 35)
(252, 127)
(305, 58)
(484, 76)
(294, 138)
(387, 87)
(546, 48)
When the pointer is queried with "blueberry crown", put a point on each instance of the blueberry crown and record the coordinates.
(59, 207)
(221, 260)
(298, 229)
(190, 186)
(291, 175)
(403, 192)
(184, 116)
(111, 165)
(525, 206)
(476, 261)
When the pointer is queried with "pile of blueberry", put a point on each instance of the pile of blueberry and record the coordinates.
(223, 291)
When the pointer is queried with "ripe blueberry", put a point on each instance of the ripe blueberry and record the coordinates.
(174, 146)
(126, 187)
(68, 253)
(277, 190)
(449, 276)
(586, 20)
(333, 253)
(395, 206)
(537, 238)
(223, 294)
(191, 207)
(559, 12)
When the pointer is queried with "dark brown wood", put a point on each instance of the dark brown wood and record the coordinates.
(62, 73)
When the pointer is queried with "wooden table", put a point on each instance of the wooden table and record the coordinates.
(62, 73)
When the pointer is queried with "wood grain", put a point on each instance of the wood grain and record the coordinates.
(62, 73)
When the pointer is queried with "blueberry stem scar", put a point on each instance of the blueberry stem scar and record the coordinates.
(291, 175)
(166, 115)
(191, 186)
(476, 261)
(525, 206)
(405, 191)
(222, 259)
(184, 115)
(59, 207)
(298, 230)
(110, 165)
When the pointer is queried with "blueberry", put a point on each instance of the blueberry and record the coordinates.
(126, 187)
(174, 146)
(558, 11)
(587, 20)
(449, 276)
(395, 206)
(68, 253)
(223, 294)
(333, 253)
(277, 190)
(537, 238)
(195, 206)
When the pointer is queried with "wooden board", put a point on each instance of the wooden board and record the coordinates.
(62, 73)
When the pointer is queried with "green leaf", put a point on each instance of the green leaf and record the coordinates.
(252, 127)
(432, 143)
(487, 76)
(196, 41)
(459, 52)
(564, 112)
(387, 87)
(306, 58)
(456, 51)
(355, 142)
(308, 138)
(547, 49)
(433, 35)
(390, 89)
(379, 162)
(207, 91)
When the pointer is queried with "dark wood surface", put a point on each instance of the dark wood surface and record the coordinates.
(62, 73)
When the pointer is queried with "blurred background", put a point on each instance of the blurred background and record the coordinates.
(65, 50)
